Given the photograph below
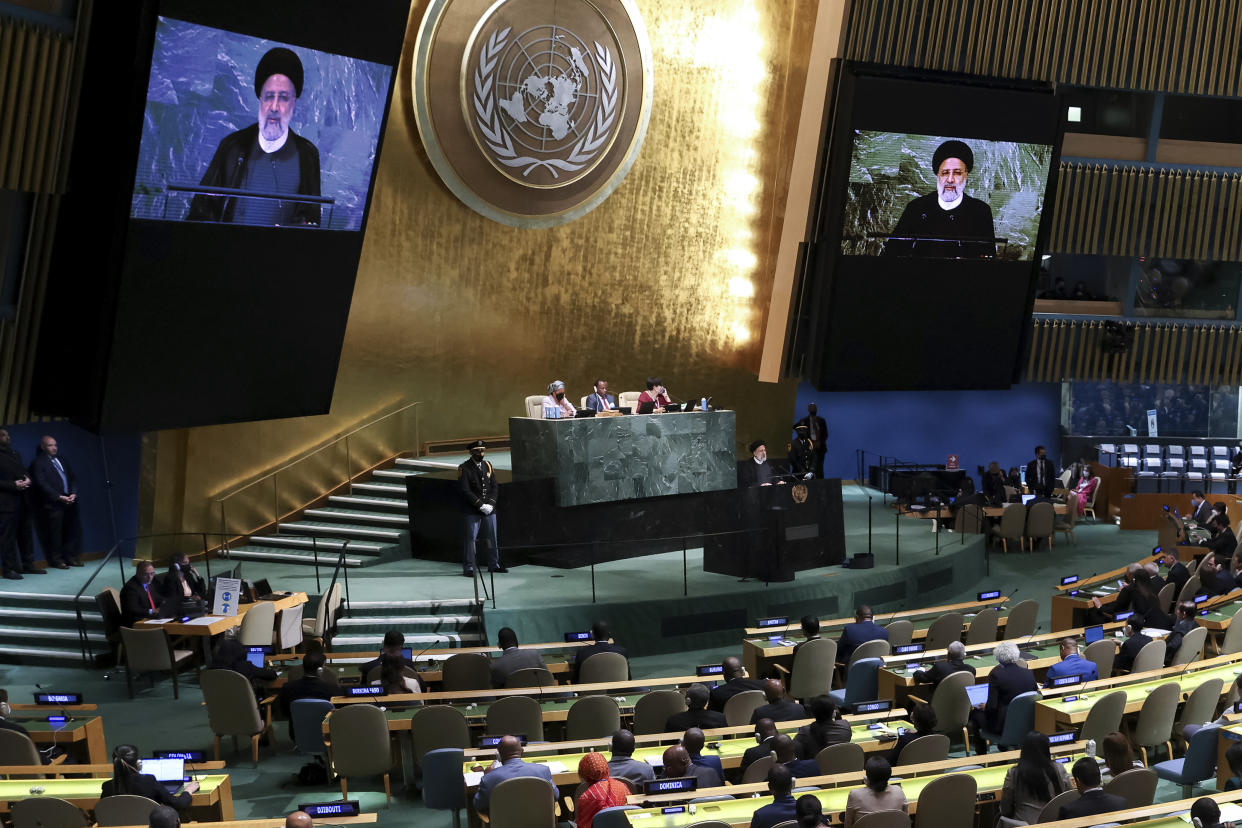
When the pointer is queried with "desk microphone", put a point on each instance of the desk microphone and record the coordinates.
(63, 712)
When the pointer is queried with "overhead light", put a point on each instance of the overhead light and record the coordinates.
(1073, 114)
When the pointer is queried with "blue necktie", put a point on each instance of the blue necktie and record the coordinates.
(64, 481)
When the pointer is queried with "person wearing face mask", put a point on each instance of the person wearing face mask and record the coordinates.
(656, 394)
(556, 405)
(480, 489)
(182, 579)
(267, 156)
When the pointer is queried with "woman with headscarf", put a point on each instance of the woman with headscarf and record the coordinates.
(556, 405)
(602, 791)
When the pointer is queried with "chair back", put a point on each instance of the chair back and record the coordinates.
(970, 520)
(933, 747)
(18, 749)
(628, 399)
(1052, 811)
(1151, 657)
(146, 651)
(360, 744)
(739, 707)
(1104, 717)
(523, 802)
(231, 706)
(883, 819)
(603, 667)
(306, 720)
(1155, 718)
(466, 671)
(861, 681)
(812, 668)
(1165, 597)
(1190, 588)
(534, 406)
(653, 709)
(109, 602)
(592, 717)
(1019, 720)
(1013, 522)
(1201, 755)
(1071, 511)
(444, 784)
(613, 817)
(843, 758)
(1191, 648)
(1095, 489)
(1232, 642)
(289, 627)
(1200, 706)
(983, 627)
(1136, 786)
(438, 726)
(1041, 520)
(1020, 622)
(757, 771)
(1102, 653)
(257, 625)
(948, 800)
(124, 809)
(530, 677)
(516, 716)
(944, 631)
(46, 812)
(900, 632)
(950, 702)
(877, 648)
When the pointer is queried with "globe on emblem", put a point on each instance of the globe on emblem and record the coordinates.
(547, 89)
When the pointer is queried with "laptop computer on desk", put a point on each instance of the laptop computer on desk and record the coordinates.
(168, 772)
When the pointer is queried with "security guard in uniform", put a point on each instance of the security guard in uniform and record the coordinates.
(479, 487)
(802, 453)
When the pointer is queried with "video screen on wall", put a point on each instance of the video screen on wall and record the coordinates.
(929, 230)
(249, 130)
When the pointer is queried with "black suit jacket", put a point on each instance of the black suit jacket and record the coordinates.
(821, 428)
(749, 475)
(591, 649)
(478, 487)
(170, 584)
(1004, 683)
(1223, 544)
(755, 753)
(940, 671)
(1178, 574)
(228, 169)
(1129, 649)
(721, 693)
(47, 483)
(144, 784)
(702, 719)
(1050, 477)
(5, 724)
(1092, 803)
(781, 710)
(12, 469)
(1202, 514)
(134, 603)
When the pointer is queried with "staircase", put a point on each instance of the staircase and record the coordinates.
(373, 518)
(453, 622)
(43, 629)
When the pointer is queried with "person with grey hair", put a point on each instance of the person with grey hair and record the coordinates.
(556, 405)
(1010, 678)
(953, 662)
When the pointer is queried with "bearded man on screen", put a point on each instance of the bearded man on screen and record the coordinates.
(947, 223)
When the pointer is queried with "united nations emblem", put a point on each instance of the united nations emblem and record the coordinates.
(799, 492)
(552, 104)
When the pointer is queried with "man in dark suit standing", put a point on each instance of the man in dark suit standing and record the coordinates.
(56, 492)
(735, 681)
(1041, 474)
(953, 662)
(601, 634)
(817, 431)
(1200, 511)
(863, 629)
(1093, 800)
(16, 550)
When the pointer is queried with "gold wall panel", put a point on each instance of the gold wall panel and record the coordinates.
(1186, 46)
(669, 276)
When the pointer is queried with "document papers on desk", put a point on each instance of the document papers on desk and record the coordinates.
(204, 621)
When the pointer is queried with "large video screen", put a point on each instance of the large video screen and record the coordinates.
(245, 130)
(929, 229)
(944, 197)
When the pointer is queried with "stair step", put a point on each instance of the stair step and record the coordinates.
(248, 553)
(369, 501)
(407, 620)
(425, 465)
(392, 474)
(356, 516)
(378, 488)
(358, 547)
(40, 654)
(45, 597)
(358, 606)
(39, 634)
(317, 528)
(65, 616)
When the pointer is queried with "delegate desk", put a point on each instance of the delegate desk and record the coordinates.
(81, 737)
(1071, 601)
(552, 693)
(212, 802)
(765, 646)
(1159, 815)
(209, 626)
(1054, 712)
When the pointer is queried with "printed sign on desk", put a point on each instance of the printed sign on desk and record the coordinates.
(951, 463)
(228, 593)
(1151, 423)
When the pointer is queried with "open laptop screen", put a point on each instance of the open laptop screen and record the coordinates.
(165, 770)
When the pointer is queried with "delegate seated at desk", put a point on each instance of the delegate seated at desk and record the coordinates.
(141, 596)
(757, 471)
(182, 579)
(511, 659)
(656, 394)
(128, 779)
(508, 765)
(599, 399)
(556, 405)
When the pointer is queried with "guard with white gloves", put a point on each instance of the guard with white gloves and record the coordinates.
(802, 453)
(479, 487)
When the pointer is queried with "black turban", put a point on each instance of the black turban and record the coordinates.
(278, 61)
(953, 149)
(755, 445)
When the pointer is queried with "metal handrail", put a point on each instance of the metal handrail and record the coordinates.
(323, 596)
(349, 470)
(88, 652)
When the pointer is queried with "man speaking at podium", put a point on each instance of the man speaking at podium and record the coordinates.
(946, 224)
(265, 157)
